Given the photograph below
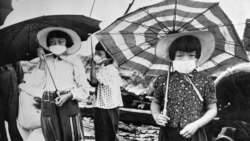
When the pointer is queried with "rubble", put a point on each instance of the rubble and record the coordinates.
(126, 131)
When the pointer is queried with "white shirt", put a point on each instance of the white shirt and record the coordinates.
(68, 74)
(108, 91)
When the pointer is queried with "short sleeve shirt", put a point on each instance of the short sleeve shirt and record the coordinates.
(108, 90)
(184, 106)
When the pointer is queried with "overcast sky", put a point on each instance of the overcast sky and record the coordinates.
(108, 10)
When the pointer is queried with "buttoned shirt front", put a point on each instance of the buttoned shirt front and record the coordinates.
(184, 105)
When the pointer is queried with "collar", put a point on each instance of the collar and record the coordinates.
(191, 74)
(57, 57)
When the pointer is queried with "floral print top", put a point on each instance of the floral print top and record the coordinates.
(184, 106)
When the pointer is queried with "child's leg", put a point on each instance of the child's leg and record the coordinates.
(106, 124)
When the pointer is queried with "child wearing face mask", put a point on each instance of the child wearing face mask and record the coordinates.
(108, 95)
(191, 94)
(64, 84)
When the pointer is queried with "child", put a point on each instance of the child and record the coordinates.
(108, 95)
(191, 94)
(65, 84)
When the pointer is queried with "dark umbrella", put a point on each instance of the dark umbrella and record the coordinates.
(5, 9)
(18, 41)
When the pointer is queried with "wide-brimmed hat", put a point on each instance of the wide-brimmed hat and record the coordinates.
(206, 39)
(226, 133)
(42, 38)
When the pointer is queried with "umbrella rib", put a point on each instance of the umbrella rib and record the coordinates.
(141, 34)
(219, 65)
(134, 47)
(160, 23)
(17, 32)
(211, 26)
(174, 18)
(228, 42)
(233, 55)
(132, 56)
(148, 68)
(145, 26)
(30, 26)
(183, 26)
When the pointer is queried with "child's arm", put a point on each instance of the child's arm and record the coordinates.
(159, 118)
(81, 91)
(190, 129)
(63, 99)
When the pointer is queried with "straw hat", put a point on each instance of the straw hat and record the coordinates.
(206, 39)
(226, 133)
(42, 37)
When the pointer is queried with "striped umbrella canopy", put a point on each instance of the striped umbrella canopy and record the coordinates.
(132, 38)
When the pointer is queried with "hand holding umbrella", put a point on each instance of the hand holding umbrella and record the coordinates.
(41, 55)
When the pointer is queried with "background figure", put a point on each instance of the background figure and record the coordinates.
(29, 123)
(10, 76)
(108, 95)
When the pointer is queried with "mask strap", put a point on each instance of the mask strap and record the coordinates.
(196, 90)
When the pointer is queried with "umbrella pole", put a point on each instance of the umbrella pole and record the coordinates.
(45, 61)
(91, 44)
(129, 6)
(166, 93)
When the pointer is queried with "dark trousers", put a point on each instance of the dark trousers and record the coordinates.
(106, 123)
(9, 94)
(61, 123)
(173, 134)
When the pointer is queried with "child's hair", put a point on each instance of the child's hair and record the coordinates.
(60, 34)
(101, 48)
(186, 44)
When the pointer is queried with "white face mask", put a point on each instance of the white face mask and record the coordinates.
(98, 59)
(186, 66)
(58, 49)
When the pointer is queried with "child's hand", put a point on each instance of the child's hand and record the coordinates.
(189, 130)
(41, 54)
(161, 120)
(62, 99)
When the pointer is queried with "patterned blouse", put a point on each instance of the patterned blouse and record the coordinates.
(108, 91)
(184, 105)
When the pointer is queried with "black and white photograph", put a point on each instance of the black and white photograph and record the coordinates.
(124, 70)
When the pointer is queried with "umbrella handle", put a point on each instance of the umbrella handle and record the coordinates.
(164, 112)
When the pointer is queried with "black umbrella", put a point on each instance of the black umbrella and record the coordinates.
(5, 9)
(18, 41)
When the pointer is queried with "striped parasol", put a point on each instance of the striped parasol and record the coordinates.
(132, 38)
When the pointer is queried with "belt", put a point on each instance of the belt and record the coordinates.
(60, 92)
(51, 95)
